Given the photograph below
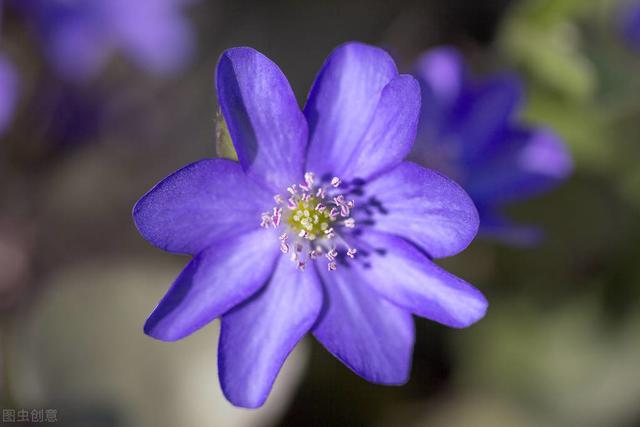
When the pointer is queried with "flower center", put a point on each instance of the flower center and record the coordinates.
(310, 218)
(313, 222)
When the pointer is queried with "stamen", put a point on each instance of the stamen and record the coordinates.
(332, 254)
(277, 214)
(308, 178)
(266, 220)
(311, 221)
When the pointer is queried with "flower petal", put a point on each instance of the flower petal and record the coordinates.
(495, 226)
(257, 337)
(486, 111)
(72, 34)
(442, 76)
(268, 130)
(527, 163)
(9, 90)
(212, 283)
(406, 277)
(370, 335)
(390, 135)
(163, 44)
(199, 204)
(424, 207)
(342, 103)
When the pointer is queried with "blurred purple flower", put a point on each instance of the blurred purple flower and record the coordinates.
(80, 35)
(629, 23)
(346, 258)
(8, 92)
(470, 131)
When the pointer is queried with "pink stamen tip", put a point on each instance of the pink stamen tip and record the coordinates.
(320, 193)
(277, 215)
(308, 178)
(331, 266)
(284, 248)
(278, 199)
(301, 265)
(351, 252)
(351, 204)
(266, 220)
(320, 207)
(350, 223)
(335, 182)
(283, 237)
(344, 211)
(333, 213)
(291, 204)
(292, 190)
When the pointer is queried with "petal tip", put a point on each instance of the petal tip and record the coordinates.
(474, 314)
(161, 334)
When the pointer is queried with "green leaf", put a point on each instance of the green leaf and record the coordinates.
(224, 144)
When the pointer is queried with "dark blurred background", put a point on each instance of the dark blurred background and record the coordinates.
(560, 345)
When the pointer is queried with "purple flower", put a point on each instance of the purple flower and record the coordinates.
(470, 131)
(321, 226)
(79, 36)
(629, 23)
(8, 92)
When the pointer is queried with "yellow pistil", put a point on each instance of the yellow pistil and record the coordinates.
(310, 219)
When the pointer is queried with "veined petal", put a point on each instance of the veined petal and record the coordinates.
(424, 207)
(342, 103)
(527, 163)
(370, 335)
(212, 283)
(403, 275)
(268, 130)
(257, 337)
(390, 135)
(198, 205)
